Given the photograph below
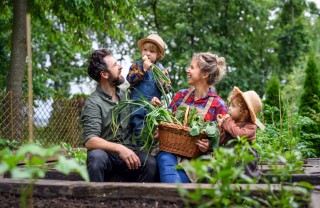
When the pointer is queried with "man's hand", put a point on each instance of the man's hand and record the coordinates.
(129, 157)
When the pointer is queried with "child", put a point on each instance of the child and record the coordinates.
(242, 121)
(141, 81)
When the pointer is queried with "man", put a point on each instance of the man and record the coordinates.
(110, 154)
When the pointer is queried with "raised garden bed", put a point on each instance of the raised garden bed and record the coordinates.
(56, 193)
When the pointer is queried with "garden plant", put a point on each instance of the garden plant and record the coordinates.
(29, 162)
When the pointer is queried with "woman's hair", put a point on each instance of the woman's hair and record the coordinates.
(97, 63)
(212, 64)
(152, 46)
(238, 99)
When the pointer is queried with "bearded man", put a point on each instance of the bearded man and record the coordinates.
(111, 154)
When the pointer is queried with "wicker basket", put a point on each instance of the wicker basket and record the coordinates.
(176, 139)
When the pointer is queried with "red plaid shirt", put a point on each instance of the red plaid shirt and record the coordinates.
(218, 106)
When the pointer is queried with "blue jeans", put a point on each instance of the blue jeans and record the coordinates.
(168, 172)
(137, 123)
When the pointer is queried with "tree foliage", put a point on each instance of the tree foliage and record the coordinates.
(273, 100)
(63, 33)
(293, 38)
(311, 95)
(230, 29)
(255, 37)
(310, 104)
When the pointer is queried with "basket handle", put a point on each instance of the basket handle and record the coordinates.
(186, 115)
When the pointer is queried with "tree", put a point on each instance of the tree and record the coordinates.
(309, 102)
(18, 48)
(63, 37)
(236, 30)
(292, 38)
(273, 102)
(5, 15)
(17, 66)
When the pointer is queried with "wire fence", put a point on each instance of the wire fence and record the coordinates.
(54, 120)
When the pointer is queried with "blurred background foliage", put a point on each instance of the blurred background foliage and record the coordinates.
(264, 42)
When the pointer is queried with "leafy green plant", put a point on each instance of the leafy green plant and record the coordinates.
(273, 99)
(163, 82)
(155, 115)
(230, 187)
(196, 126)
(222, 170)
(79, 155)
(11, 144)
(286, 135)
(34, 159)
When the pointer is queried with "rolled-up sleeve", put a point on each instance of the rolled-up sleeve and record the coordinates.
(135, 75)
(91, 120)
(248, 130)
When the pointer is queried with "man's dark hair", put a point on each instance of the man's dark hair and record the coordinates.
(97, 64)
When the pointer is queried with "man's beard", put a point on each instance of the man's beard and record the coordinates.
(117, 81)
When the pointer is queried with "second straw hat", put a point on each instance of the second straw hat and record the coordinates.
(153, 38)
(253, 102)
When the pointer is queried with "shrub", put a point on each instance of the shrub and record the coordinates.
(273, 99)
(310, 104)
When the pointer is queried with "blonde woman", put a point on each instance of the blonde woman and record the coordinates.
(204, 72)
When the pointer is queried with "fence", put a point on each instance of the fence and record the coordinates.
(54, 121)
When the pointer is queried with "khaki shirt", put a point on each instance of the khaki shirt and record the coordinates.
(96, 118)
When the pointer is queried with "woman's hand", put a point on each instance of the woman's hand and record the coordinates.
(155, 102)
(156, 134)
(203, 144)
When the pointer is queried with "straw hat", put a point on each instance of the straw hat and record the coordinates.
(253, 102)
(153, 38)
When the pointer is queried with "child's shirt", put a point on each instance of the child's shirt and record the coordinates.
(142, 81)
(230, 128)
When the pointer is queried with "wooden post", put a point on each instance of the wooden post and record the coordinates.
(30, 91)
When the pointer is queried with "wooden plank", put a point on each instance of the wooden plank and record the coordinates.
(313, 179)
(79, 189)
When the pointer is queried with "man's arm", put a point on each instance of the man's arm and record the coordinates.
(99, 143)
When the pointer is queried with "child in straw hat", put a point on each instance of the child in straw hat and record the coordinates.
(242, 121)
(140, 78)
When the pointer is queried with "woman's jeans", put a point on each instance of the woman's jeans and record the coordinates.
(167, 168)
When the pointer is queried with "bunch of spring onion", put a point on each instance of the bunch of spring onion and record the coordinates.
(156, 114)
(162, 81)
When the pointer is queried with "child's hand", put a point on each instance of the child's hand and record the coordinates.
(146, 63)
(155, 102)
(221, 118)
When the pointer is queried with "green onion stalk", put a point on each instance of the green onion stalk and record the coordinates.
(156, 114)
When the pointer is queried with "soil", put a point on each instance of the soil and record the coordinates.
(13, 201)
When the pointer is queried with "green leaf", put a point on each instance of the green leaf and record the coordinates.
(66, 166)
(194, 131)
(4, 167)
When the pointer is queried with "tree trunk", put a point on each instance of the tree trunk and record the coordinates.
(17, 68)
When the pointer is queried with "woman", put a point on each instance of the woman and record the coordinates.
(204, 72)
